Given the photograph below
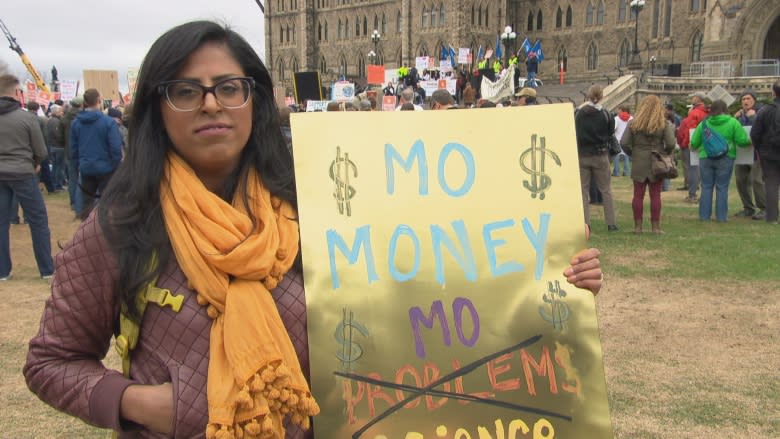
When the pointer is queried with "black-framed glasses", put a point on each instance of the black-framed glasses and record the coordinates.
(187, 95)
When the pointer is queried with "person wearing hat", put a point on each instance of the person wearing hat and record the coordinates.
(750, 179)
(526, 96)
(697, 113)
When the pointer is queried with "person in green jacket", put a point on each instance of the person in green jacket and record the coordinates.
(717, 171)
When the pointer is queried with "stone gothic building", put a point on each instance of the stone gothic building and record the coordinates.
(592, 39)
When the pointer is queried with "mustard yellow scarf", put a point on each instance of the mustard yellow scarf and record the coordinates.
(254, 378)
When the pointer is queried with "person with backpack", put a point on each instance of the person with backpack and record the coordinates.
(766, 138)
(716, 139)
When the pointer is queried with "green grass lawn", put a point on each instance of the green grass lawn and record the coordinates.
(741, 249)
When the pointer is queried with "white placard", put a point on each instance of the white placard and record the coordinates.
(343, 91)
(316, 106)
(744, 155)
(445, 66)
(421, 62)
(68, 89)
(463, 55)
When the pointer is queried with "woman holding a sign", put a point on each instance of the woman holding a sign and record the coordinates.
(192, 258)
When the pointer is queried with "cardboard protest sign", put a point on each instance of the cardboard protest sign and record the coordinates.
(421, 62)
(389, 103)
(376, 74)
(69, 89)
(433, 254)
(312, 106)
(343, 91)
(463, 55)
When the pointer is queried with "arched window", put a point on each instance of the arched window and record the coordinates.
(319, 32)
(294, 65)
(480, 15)
(473, 16)
(569, 16)
(361, 66)
(530, 26)
(600, 13)
(593, 56)
(398, 22)
(589, 14)
(558, 18)
(563, 58)
(487, 16)
(343, 66)
(280, 70)
(624, 53)
(384, 24)
(442, 21)
(656, 17)
(326, 31)
(424, 17)
(434, 16)
(281, 33)
(696, 44)
(293, 32)
(288, 33)
(365, 26)
(346, 29)
(539, 20)
(622, 5)
(668, 18)
(376, 23)
(695, 5)
(357, 26)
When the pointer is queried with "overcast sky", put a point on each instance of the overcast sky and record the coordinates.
(76, 35)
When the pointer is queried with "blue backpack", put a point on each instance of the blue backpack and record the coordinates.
(714, 144)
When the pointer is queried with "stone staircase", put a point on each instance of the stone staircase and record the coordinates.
(615, 93)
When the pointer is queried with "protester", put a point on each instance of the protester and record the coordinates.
(284, 122)
(621, 122)
(442, 100)
(207, 169)
(649, 132)
(116, 114)
(469, 95)
(716, 171)
(749, 178)
(96, 146)
(765, 135)
(697, 113)
(74, 194)
(55, 141)
(44, 171)
(22, 150)
(407, 96)
(532, 67)
(526, 96)
(594, 126)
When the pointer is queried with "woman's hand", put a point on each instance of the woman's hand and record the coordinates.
(150, 406)
(585, 270)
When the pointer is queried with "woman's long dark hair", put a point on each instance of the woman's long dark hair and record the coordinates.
(129, 211)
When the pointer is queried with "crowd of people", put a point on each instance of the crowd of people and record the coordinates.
(657, 129)
(190, 256)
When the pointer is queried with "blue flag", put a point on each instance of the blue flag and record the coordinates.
(498, 52)
(480, 53)
(538, 50)
(453, 56)
(526, 46)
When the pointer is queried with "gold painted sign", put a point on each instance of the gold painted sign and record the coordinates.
(433, 247)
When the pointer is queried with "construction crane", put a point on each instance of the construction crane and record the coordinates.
(16, 48)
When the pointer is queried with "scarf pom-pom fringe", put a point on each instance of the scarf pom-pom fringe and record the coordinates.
(218, 431)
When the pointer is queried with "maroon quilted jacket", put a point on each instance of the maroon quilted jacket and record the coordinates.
(64, 365)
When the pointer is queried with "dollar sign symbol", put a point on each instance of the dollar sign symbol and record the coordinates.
(558, 312)
(339, 173)
(540, 181)
(350, 351)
